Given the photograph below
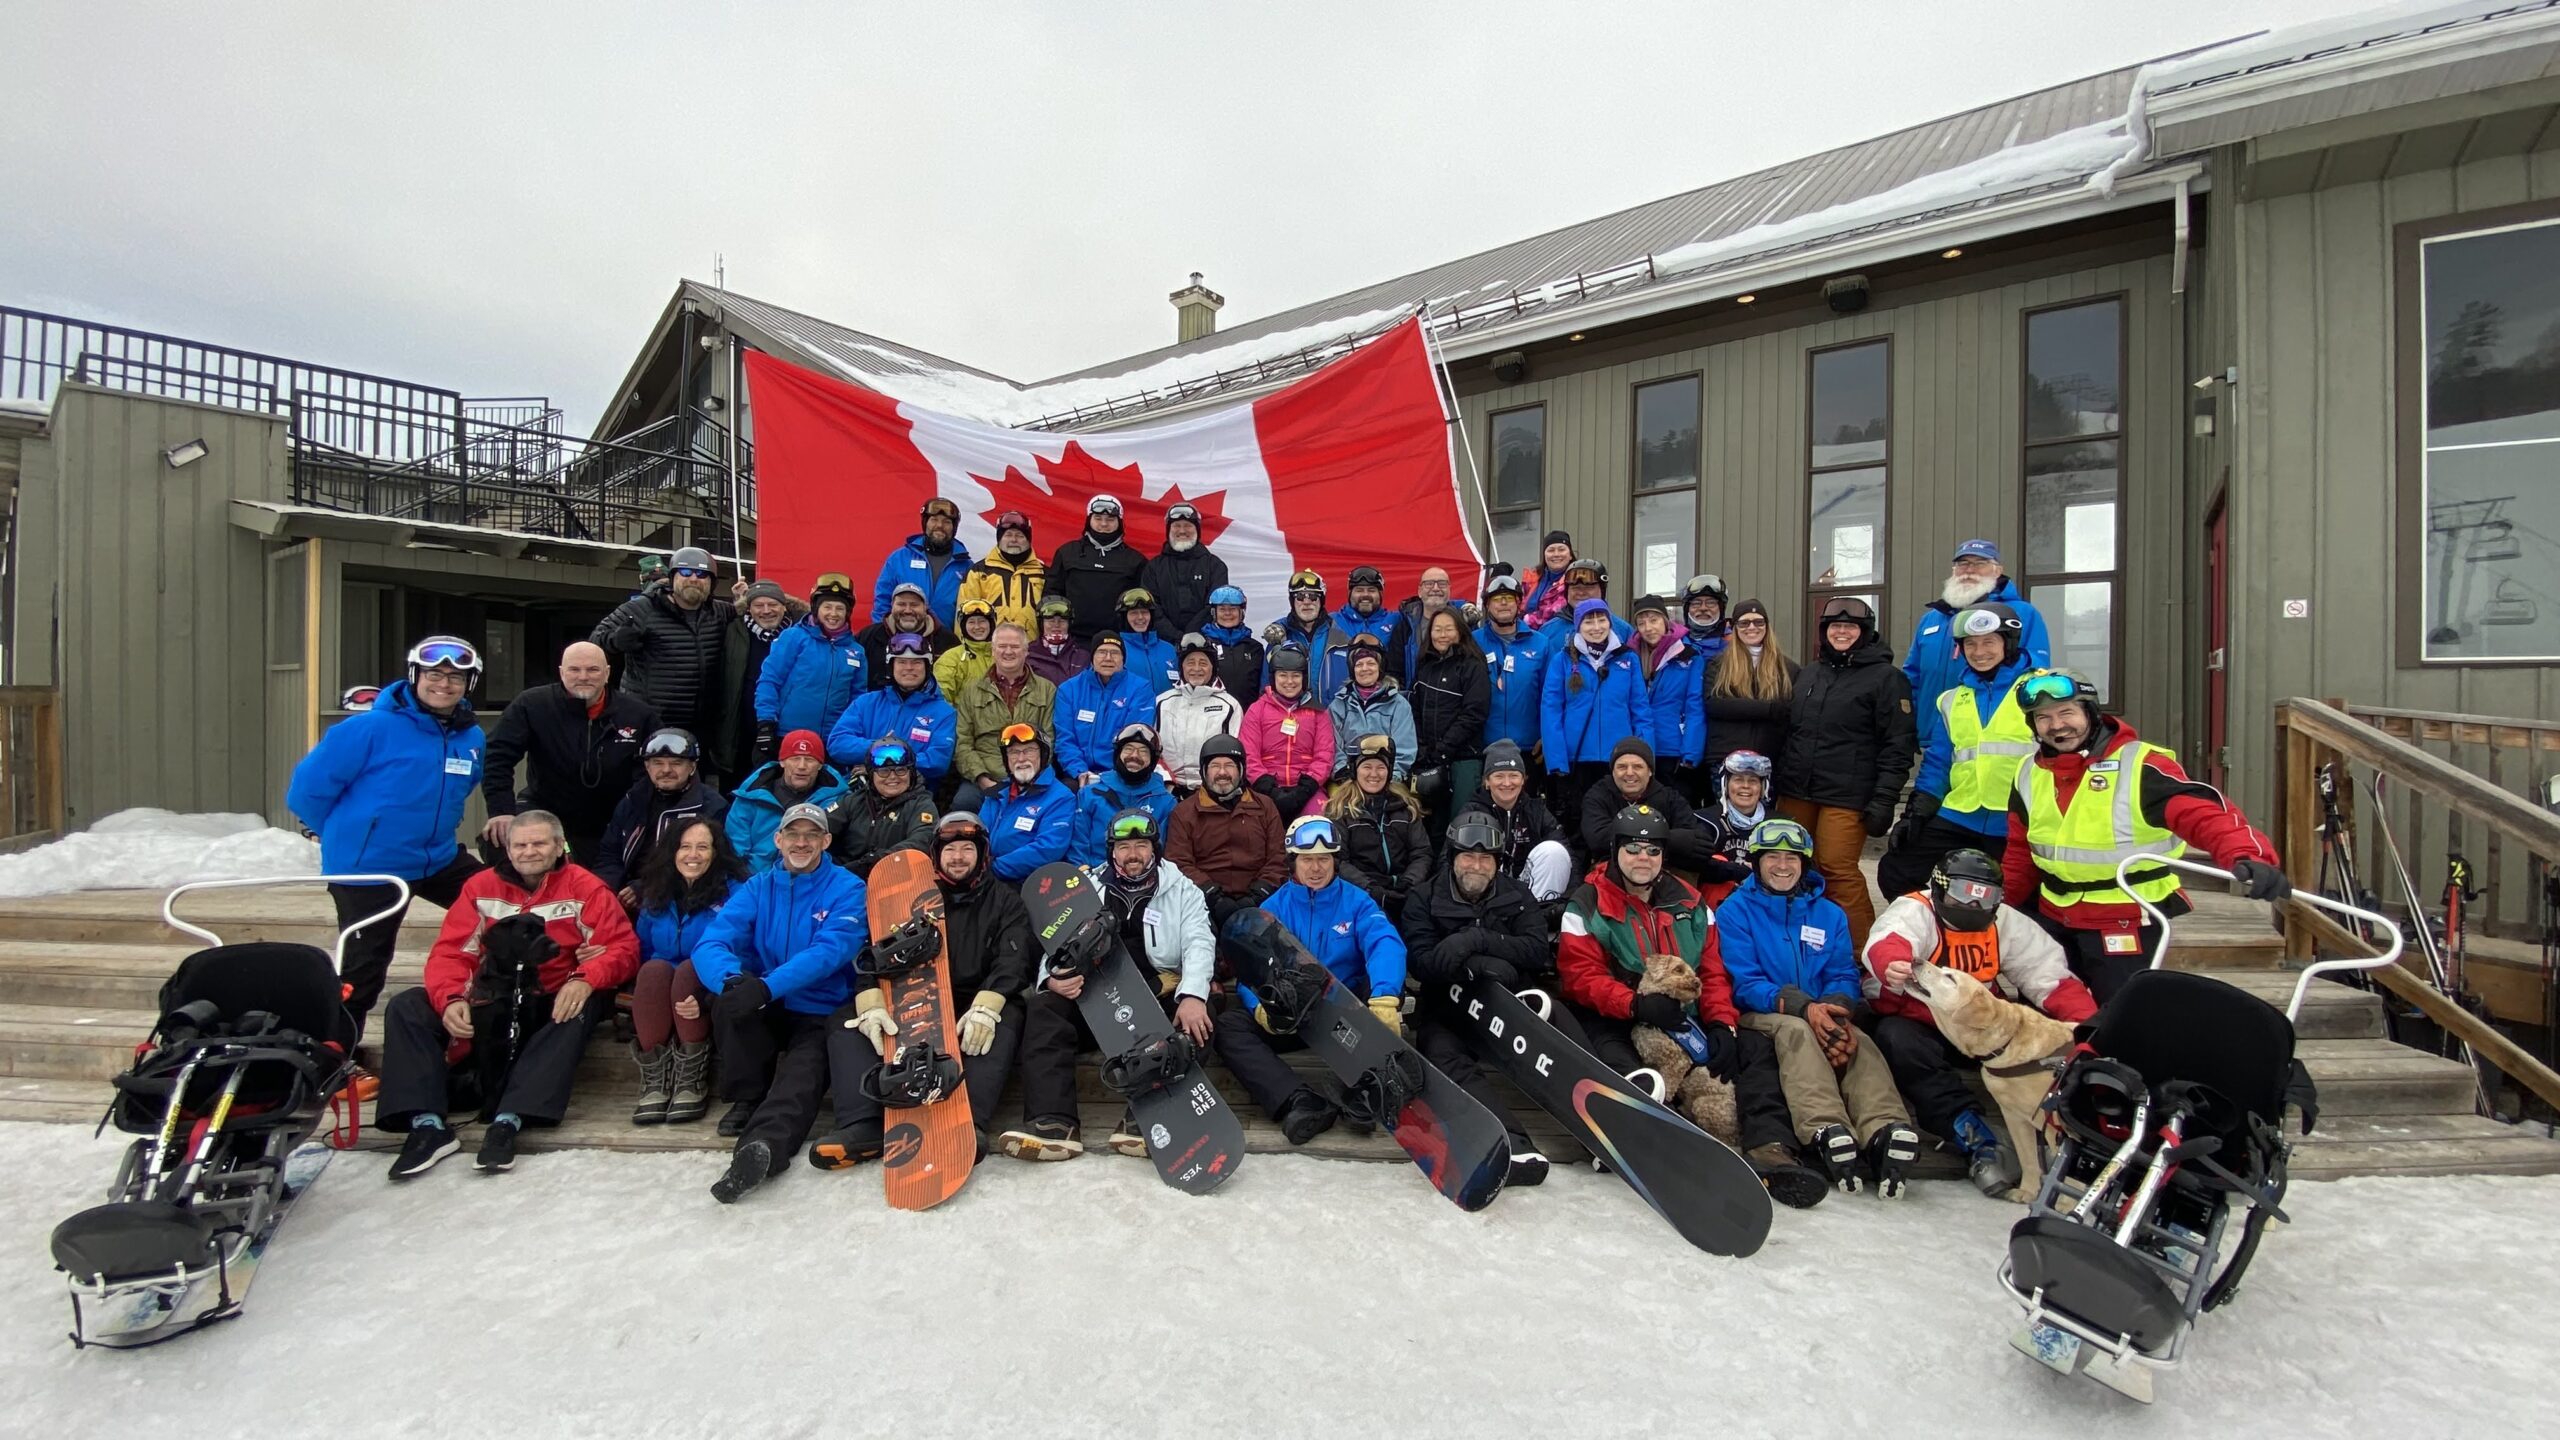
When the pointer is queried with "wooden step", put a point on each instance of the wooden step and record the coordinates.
(2376, 1077)
(2331, 1010)
(302, 915)
(2422, 1145)
(126, 975)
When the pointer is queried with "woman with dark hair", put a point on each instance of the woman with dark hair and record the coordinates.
(1545, 582)
(1451, 694)
(1747, 690)
(1850, 743)
(1383, 848)
(680, 889)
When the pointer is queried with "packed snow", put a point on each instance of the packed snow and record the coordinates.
(606, 1294)
(152, 849)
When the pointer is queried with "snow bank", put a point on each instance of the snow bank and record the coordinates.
(607, 1295)
(154, 850)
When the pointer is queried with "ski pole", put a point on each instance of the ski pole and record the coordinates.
(2418, 925)
(204, 1143)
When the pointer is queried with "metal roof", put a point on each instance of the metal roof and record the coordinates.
(834, 345)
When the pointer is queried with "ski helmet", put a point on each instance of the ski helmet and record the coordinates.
(834, 585)
(1306, 582)
(1314, 835)
(1195, 643)
(1965, 890)
(1990, 618)
(1181, 510)
(1589, 571)
(1023, 733)
(1639, 822)
(1226, 595)
(449, 653)
(1778, 837)
(1367, 575)
(2040, 688)
(1381, 748)
(1137, 732)
(1289, 657)
(1057, 605)
(1218, 747)
(938, 505)
(1852, 609)
(961, 826)
(973, 609)
(1135, 823)
(1013, 520)
(1704, 587)
(1477, 832)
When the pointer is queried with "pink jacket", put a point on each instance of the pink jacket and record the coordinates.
(1286, 740)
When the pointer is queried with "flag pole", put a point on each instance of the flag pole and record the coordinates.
(1457, 417)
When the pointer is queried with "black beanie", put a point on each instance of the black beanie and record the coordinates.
(1631, 746)
(1555, 537)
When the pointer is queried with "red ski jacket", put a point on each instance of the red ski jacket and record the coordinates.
(577, 910)
(2194, 812)
(1608, 932)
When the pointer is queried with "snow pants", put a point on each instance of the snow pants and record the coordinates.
(1839, 838)
(1900, 872)
(790, 1051)
(1759, 1097)
(1861, 1097)
(368, 958)
(853, 1059)
(2103, 970)
(417, 1076)
(1930, 1071)
(1053, 1035)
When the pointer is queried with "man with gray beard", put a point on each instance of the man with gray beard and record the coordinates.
(1932, 663)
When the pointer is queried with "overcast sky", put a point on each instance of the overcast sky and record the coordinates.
(500, 198)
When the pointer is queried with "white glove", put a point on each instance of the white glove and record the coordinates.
(871, 1017)
(978, 1023)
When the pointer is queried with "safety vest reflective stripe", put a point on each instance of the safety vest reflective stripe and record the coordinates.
(1986, 756)
(2078, 848)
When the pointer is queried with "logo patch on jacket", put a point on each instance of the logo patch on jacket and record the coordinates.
(1342, 929)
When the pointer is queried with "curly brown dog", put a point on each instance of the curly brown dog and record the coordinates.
(1706, 1100)
(2012, 1041)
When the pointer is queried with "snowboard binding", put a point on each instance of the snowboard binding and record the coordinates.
(1381, 1093)
(919, 1076)
(1152, 1066)
(1288, 993)
(911, 946)
(1082, 952)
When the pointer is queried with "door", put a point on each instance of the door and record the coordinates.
(2217, 641)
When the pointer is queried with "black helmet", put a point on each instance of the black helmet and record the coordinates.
(1639, 822)
(1367, 575)
(1854, 610)
(961, 825)
(1195, 643)
(1135, 823)
(1965, 890)
(1704, 585)
(1217, 745)
(1989, 618)
(1475, 831)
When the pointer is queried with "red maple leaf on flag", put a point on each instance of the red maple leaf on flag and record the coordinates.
(1057, 513)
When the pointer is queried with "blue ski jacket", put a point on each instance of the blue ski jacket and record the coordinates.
(1676, 704)
(809, 677)
(1383, 711)
(1090, 710)
(1938, 750)
(1518, 669)
(1346, 931)
(921, 717)
(1559, 632)
(910, 564)
(1150, 659)
(669, 934)
(800, 934)
(1090, 844)
(1381, 624)
(1585, 708)
(755, 813)
(1932, 663)
(384, 789)
(1777, 944)
(1028, 825)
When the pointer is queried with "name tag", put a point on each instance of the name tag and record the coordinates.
(1084, 717)
(1928, 629)
(1510, 663)
(1151, 919)
(1288, 727)
(1813, 935)
(853, 659)
(920, 734)
(457, 765)
(2121, 944)
(1025, 822)
(915, 564)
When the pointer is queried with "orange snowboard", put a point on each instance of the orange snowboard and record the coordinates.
(926, 1151)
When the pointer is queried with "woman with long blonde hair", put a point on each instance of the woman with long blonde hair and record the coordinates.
(1747, 691)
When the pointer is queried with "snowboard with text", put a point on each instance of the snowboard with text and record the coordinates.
(1463, 1148)
(1710, 1195)
(1195, 1141)
(928, 1149)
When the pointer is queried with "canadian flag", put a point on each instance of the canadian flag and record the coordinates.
(1350, 466)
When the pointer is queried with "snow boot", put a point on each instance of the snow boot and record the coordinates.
(1987, 1161)
(1891, 1151)
(1837, 1149)
(497, 1149)
(1048, 1138)
(690, 1083)
(1126, 1137)
(733, 1121)
(1789, 1180)
(750, 1167)
(657, 1083)
(1528, 1167)
(843, 1149)
(1304, 1116)
(426, 1145)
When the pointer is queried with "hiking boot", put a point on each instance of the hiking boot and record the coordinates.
(657, 1083)
(1528, 1167)
(1987, 1161)
(426, 1145)
(749, 1167)
(690, 1084)
(1837, 1150)
(843, 1149)
(1047, 1138)
(497, 1149)
(1891, 1152)
(1304, 1116)
(1127, 1137)
(733, 1121)
(1789, 1180)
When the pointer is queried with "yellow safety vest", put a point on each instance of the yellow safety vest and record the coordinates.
(1987, 757)
(2078, 848)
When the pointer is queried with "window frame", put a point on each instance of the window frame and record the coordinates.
(1634, 475)
(2024, 577)
(2409, 441)
(1493, 467)
(1879, 594)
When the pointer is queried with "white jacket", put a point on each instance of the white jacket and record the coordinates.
(1179, 940)
(1186, 716)
(2031, 964)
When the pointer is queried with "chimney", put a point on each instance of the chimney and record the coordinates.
(1195, 308)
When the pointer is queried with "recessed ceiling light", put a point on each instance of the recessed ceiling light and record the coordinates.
(1576, 335)
(1950, 253)
(1744, 299)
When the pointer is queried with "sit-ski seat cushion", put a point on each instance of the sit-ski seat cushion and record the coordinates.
(135, 1240)
(2085, 1274)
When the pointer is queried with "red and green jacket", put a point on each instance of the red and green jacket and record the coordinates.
(1608, 932)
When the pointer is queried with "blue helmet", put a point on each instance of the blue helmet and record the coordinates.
(1226, 595)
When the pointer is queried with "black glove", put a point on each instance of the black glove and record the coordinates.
(746, 991)
(768, 741)
(1724, 1050)
(1496, 969)
(1660, 1011)
(630, 640)
(1451, 955)
(1916, 816)
(1879, 817)
(2260, 880)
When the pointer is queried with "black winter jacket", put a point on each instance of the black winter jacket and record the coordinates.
(669, 656)
(731, 743)
(1504, 934)
(1091, 578)
(874, 827)
(1850, 735)
(1736, 722)
(1384, 849)
(1181, 581)
(1691, 846)
(646, 817)
(1526, 826)
(988, 935)
(580, 767)
(1450, 696)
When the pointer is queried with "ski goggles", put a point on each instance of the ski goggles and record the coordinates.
(1018, 733)
(2047, 687)
(1314, 835)
(892, 755)
(671, 745)
(943, 508)
(1978, 622)
(1014, 520)
(1747, 762)
(693, 572)
(359, 697)
(1132, 825)
(1306, 581)
(907, 647)
(1475, 831)
(1185, 511)
(444, 653)
(1226, 595)
(1782, 837)
(832, 580)
(1368, 575)
(1971, 894)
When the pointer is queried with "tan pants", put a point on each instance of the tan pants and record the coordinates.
(1839, 838)
(1861, 1097)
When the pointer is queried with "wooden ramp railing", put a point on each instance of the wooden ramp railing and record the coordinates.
(30, 766)
(2475, 800)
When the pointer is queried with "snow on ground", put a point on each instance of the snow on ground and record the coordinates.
(604, 1294)
(156, 850)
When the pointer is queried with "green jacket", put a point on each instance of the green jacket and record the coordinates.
(983, 716)
(962, 663)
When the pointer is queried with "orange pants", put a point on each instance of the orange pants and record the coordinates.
(1839, 835)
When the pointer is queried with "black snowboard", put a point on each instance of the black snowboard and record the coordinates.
(1710, 1195)
(1195, 1141)
(1461, 1146)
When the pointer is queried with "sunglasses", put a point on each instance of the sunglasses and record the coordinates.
(1752, 622)
(693, 572)
(1637, 847)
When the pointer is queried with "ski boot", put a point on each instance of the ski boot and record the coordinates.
(843, 1149)
(1837, 1150)
(750, 1167)
(1788, 1179)
(1987, 1160)
(1891, 1151)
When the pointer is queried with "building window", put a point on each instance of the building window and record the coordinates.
(1848, 452)
(2073, 567)
(1666, 487)
(1519, 485)
(2484, 528)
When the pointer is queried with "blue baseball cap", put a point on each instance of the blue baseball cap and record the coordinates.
(1978, 550)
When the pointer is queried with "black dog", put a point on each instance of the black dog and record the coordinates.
(508, 1002)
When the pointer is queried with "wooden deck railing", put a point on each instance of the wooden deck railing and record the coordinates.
(2450, 783)
(30, 766)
